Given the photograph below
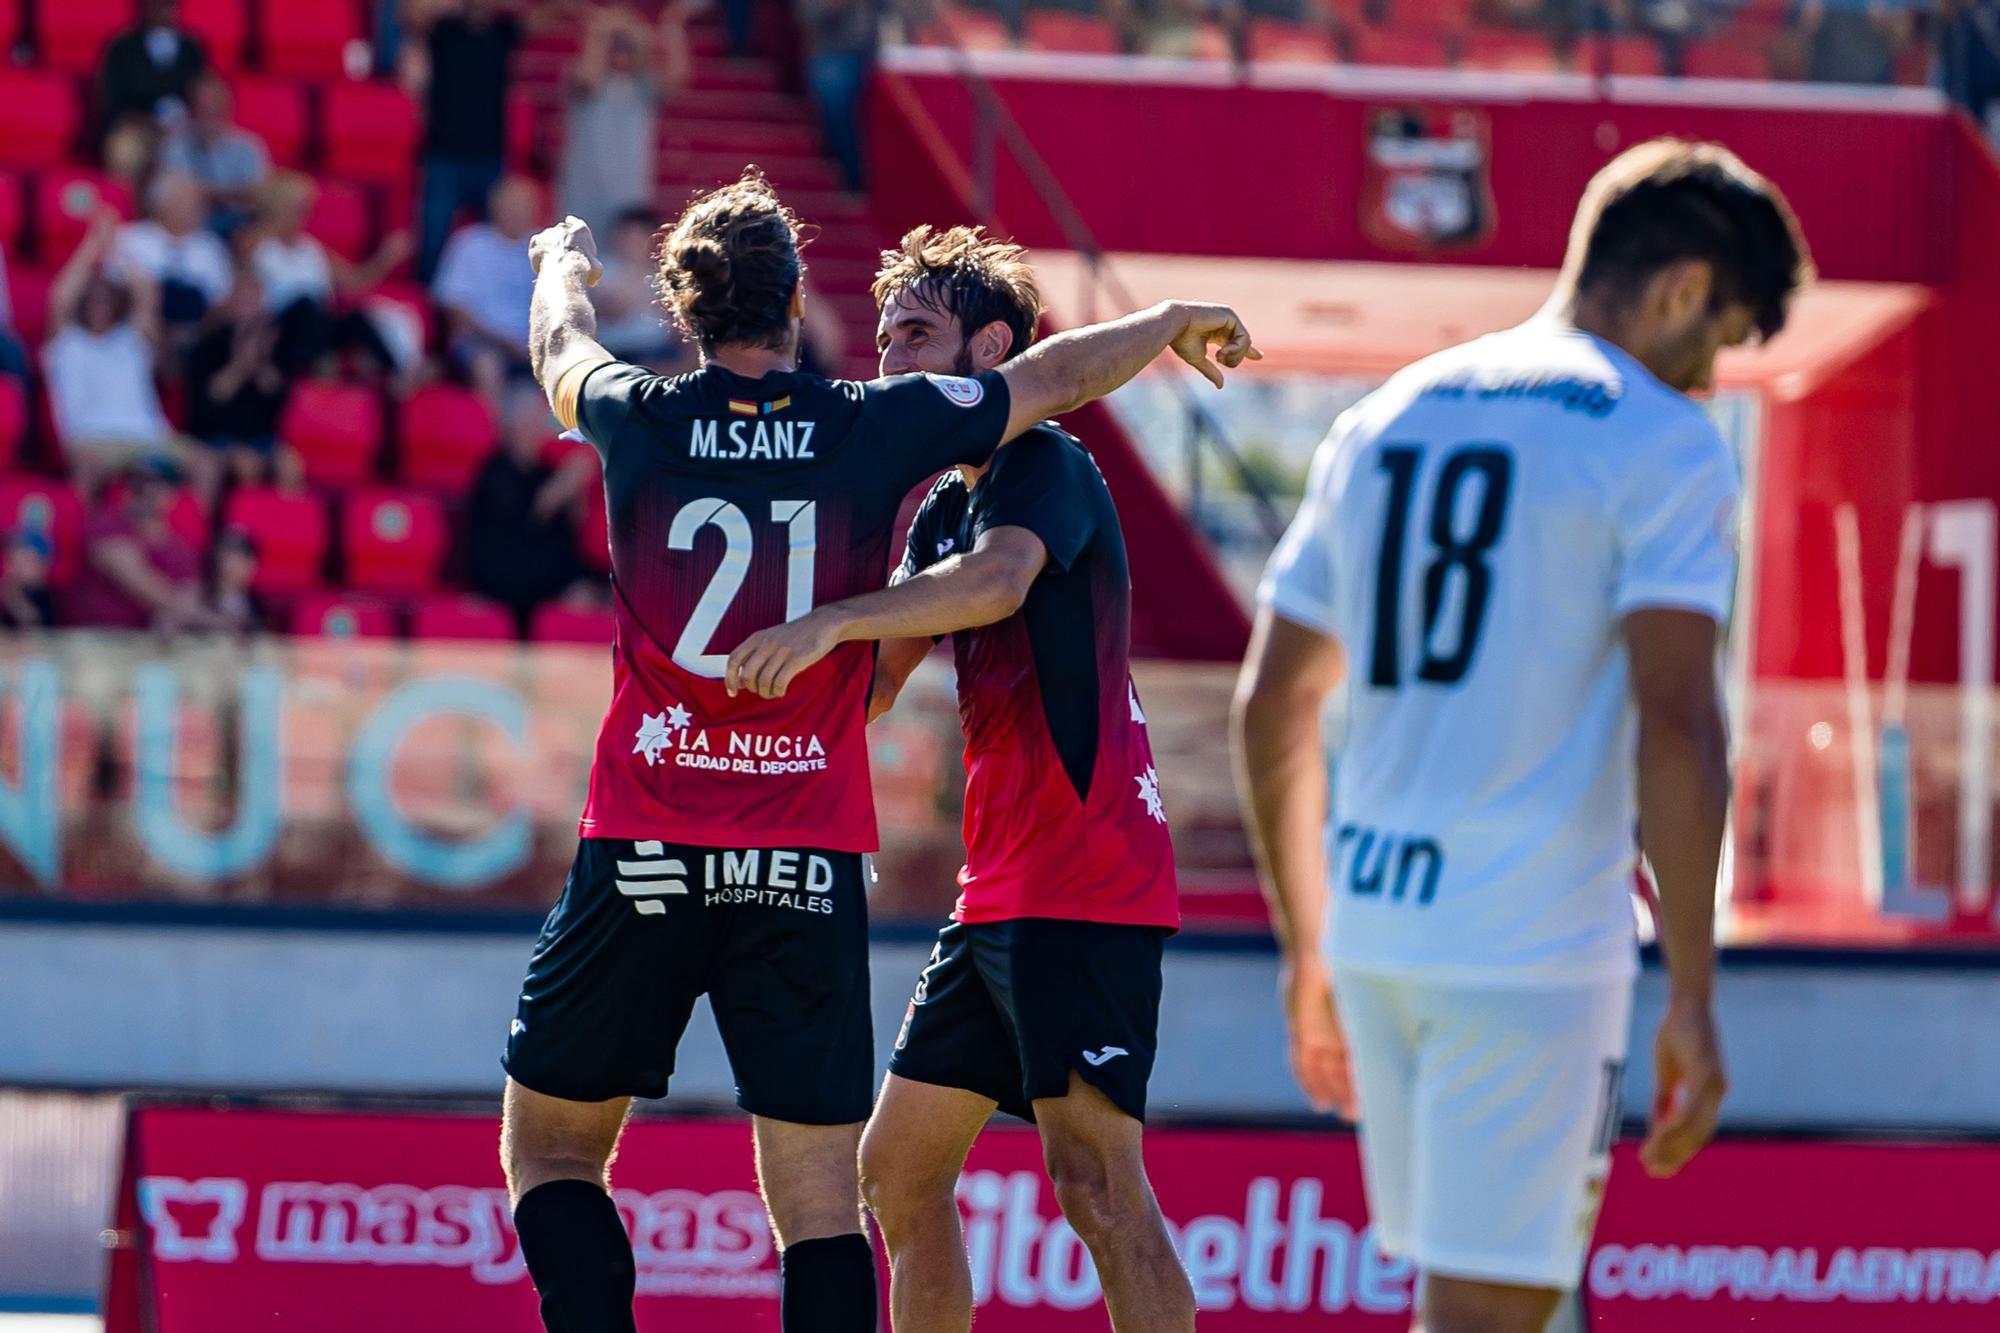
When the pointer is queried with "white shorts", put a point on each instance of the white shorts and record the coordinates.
(1487, 1118)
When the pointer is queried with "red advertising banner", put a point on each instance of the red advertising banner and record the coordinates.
(250, 1219)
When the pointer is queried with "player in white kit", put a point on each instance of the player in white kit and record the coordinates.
(1516, 555)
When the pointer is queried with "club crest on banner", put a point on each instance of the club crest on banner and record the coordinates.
(1426, 181)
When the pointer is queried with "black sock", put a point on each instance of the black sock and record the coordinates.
(829, 1286)
(579, 1256)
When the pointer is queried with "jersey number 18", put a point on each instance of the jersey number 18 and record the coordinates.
(1494, 470)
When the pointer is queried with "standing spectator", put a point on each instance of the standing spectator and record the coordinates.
(484, 285)
(521, 546)
(100, 367)
(138, 573)
(235, 389)
(148, 70)
(840, 47)
(186, 261)
(231, 163)
(625, 71)
(1851, 43)
(232, 569)
(24, 581)
(631, 323)
(462, 69)
(302, 280)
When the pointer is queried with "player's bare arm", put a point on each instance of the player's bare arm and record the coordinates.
(562, 323)
(1074, 368)
(1281, 785)
(895, 660)
(1683, 798)
(986, 584)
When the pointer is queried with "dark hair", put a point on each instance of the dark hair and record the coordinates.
(1670, 200)
(730, 265)
(966, 274)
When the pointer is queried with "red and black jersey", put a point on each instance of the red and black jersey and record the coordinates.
(736, 504)
(1062, 802)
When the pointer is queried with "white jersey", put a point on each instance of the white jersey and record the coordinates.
(1472, 534)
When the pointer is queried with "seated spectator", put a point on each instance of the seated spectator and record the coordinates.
(138, 573)
(24, 582)
(840, 48)
(631, 323)
(615, 88)
(235, 390)
(186, 262)
(1851, 43)
(232, 569)
(303, 281)
(484, 284)
(230, 162)
(100, 367)
(149, 70)
(521, 519)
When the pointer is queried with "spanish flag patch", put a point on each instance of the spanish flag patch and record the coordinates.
(743, 407)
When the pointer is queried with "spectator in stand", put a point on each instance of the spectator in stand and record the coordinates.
(24, 581)
(840, 37)
(1851, 43)
(461, 69)
(231, 163)
(100, 368)
(172, 249)
(13, 356)
(1969, 60)
(235, 390)
(232, 569)
(615, 87)
(149, 70)
(138, 573)
(521, 520)
(302, 282)
(631, 323)
(484, 285)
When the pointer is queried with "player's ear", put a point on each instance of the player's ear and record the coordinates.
(798, 310)
(992, 343)
(1681, 292)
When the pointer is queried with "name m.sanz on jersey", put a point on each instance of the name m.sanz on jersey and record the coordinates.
(1473, 533)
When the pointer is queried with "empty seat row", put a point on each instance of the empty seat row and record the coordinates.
(444, 432)
(391, 541)
(298, 38)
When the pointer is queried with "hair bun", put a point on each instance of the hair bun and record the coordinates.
(705, 262)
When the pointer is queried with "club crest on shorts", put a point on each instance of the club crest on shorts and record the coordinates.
(964, 392)
(1426, 183)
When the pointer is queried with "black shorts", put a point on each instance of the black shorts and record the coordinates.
(1007, 1009)
(776, 938)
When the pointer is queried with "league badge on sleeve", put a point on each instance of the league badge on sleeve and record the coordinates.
(964, 392)
(1426, 182)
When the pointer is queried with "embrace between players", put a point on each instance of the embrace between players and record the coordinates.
(729, 807)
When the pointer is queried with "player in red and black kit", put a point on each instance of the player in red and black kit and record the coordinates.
(1042, 997)
(723, 833)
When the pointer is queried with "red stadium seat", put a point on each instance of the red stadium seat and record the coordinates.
(1630, 56)
(1726, 59)
(52, 508)
(342, 220)
(336, 429)
(1431, 16)
(28, 294)
(40, 114)
(13, 419)
(342, 615)
(371, 132)
(72, 34)
(66, 199)
(1275, 42)
(10, 26)
(308, 40)
(290, 531)
(1055, 30)
(556, 623)
(394, 540)
(13, 211)
(222, 26)
(524, 131)
(972, 29)
(1403, 49)
(455, 616)
(447, 432)
(276, 111)
(1514, 52)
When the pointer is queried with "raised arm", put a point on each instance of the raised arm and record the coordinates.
(1073, 368)
(68, 287)
(986, 584)
(1683, 800)
(675, 65)
(562, 324)
(1281, 785)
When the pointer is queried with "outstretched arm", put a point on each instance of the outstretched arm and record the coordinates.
(562, 324)
(986, 584)
(1281, 786)
(1076, 367)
